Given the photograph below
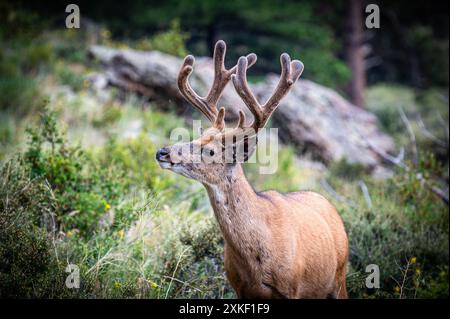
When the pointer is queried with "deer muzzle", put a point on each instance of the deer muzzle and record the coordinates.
(163, 155)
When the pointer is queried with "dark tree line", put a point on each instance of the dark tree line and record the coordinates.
(411, 47)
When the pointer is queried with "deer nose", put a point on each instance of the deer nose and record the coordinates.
(163, 154)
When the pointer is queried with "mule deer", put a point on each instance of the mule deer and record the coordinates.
(276, 245)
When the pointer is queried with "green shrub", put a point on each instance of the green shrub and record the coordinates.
(134, 158)
(112, 112)
(69, 44)
(82, 194)
(19, 23)
(205, 240)
(346, 170)
(24, 249)
(37, 55)
(19, 95)
(172, 41)
(29, 267)
(9, 134)
(431, 106)
(385, 100)
(202, 264)
(404, 220)
(435, 286)
(72, 79)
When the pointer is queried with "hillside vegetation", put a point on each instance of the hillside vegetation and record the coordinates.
(79, 185)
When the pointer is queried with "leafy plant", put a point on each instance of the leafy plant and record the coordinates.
(171, 41)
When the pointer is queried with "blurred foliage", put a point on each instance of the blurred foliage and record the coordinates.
(119, 218)
(29, 267)
(410, 48)
(432, 54)
(426, 112)
(72, 78)
(17, 21)
(253, 26)
(260, 26)
(403, 220)
(171, 41)
(19, 90)
(138, 231)
(287, 177)
(349, 171)
(61, 166)
(412, 45)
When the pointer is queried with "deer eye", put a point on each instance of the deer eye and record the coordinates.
(211, 152)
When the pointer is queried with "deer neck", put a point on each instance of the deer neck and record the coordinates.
(235, 206)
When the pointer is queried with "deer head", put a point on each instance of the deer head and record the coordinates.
(276, 245)
(210, 157)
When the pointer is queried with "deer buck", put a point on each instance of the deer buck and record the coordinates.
(276, 245)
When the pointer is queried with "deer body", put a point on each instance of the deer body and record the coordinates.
(279, 245)
(276, 245)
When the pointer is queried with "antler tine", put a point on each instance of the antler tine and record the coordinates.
(208, 104)
(240, 84)
(221, 74)
(290, 72)
(187, 91)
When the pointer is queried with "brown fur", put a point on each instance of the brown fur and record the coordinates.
(280, 246)
(276, 246)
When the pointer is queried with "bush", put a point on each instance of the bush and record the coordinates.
(82, 195)
(171, 41)
(431, 106)
(71, 78)
(24, 249)
(19, 95)
(112, 112)
(29, 267)
(286, 179)
(138, 231)
(348, 171)
(21, 60)
(385, 101)
(88, 207)
(404, 220)
(37, 56)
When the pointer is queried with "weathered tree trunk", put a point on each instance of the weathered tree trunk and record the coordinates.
(355, 54)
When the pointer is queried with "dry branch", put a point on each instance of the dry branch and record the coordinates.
(438, 191)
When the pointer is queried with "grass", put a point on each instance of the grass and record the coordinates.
(136, 231)
(81, 186)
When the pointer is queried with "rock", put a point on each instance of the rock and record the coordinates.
(319, 121)
(154, 74)
(313, 118)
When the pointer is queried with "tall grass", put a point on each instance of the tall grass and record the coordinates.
(84, 189)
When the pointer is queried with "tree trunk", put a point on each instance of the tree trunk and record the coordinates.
(355, 54)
